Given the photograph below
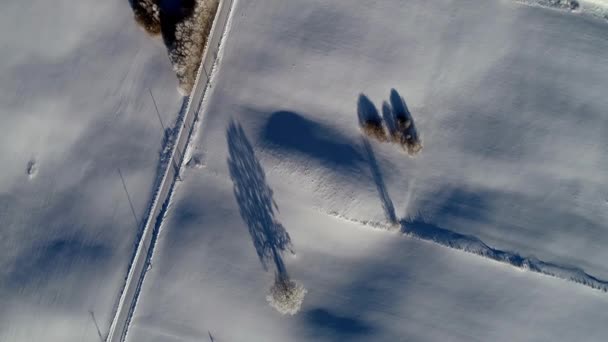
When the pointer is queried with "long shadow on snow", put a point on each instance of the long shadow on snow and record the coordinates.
(455, 206)
(374, 288)
(513, 212)
(430, 232)
(291, 131)
(256, 205)
(460, 203)
(387, 203)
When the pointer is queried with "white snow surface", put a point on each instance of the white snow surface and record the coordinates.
(74, 108)
(509, 101)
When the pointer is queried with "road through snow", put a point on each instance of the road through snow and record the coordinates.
(162, 196)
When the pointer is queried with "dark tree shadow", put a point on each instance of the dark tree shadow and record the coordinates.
(367, 111)
(256, 205)
(405, 129)
(289, 130)
(342, 327)
(387, 203)
(56, 259)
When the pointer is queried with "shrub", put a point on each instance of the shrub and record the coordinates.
(406, 135)
(190, 39)
(412, 146)
(374, 129)
(286, 296)
(147, 16)
(409, 141)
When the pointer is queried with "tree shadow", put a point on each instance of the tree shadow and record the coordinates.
(366, 110)
(387, 203)
(367, 113)
(56, 258)
(405, 131)
(430, 232)
(289, 130)
(339, 326)
(256, 204)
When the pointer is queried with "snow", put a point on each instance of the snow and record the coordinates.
(75, 107)
(501, 214)
(495, 230)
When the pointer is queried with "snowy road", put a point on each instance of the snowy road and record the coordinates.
(153, 222)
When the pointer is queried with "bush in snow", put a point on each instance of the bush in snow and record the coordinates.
(190, 36)
(406, 135)
(286, 296)
(402, 123)
(184, 25)
(370, 121)
(373, 128)
(411, 144)
(147, 15)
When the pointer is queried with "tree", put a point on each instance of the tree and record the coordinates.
(286, 295)
(147, 16)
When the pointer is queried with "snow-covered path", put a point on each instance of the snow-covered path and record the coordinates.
(171, 170)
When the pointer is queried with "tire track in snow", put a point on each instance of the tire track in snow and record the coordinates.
(424, 231)
(162, 196)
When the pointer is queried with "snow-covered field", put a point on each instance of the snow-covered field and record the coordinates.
(509, 101)
(74, 108)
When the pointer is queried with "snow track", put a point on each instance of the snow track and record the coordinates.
(424, 231)
(162, 195)
(594, 8)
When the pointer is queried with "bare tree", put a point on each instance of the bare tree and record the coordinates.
(190, 36)
(405, 132)
(369, 119)
(147, 15)
(374, 129)
(185, 26)
(286, 295)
